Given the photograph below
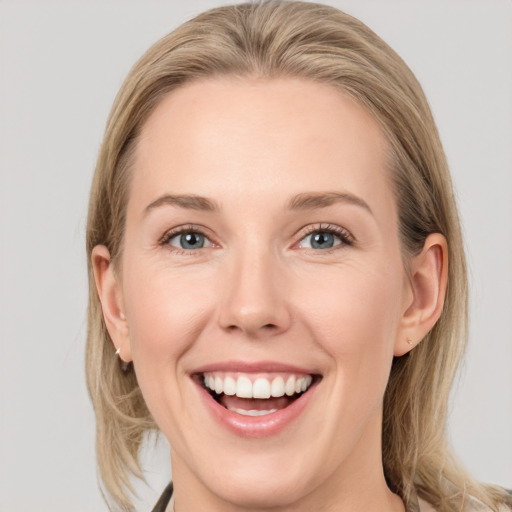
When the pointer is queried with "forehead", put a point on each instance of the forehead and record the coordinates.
(244, 136)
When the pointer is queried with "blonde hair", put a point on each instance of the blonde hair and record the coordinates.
(316, 42)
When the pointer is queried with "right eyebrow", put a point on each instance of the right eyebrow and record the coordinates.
(187, 201)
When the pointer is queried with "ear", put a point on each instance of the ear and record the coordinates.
(427, 291)
(111, 298)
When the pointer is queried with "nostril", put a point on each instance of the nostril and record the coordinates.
(266, 328)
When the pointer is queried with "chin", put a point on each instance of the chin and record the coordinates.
(259, 490)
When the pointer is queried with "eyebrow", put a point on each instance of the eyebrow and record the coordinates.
(189, 202)
(303, 201)
(310, 201)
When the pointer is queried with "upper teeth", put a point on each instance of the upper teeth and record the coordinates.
(244, 386)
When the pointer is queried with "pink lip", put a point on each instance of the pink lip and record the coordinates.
(255, 427)
(253, 367)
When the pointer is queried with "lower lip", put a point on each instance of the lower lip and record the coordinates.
(256, 427)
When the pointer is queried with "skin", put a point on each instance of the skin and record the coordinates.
(257, 291)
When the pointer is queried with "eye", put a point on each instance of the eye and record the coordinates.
(187, 240)
(320, 240)
(325, 238)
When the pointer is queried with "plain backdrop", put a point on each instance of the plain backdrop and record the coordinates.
(61, 64)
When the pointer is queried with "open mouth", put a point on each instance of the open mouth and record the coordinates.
(256, 394)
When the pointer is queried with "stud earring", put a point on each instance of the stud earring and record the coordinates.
(409, 341)
(124, 365)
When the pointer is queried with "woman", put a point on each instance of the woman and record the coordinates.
(276, 260)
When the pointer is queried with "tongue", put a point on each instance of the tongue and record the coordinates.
(255, 404)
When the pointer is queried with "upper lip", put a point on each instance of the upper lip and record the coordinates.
(253, 367)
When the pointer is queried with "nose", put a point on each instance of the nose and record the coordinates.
(255, 299)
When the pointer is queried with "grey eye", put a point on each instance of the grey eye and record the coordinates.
(320, 240)
(189, 241)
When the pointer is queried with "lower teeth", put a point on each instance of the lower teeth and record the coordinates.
(252, 412)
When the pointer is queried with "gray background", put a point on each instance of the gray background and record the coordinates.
(61, 64)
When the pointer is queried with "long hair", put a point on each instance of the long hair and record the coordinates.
(320, 43)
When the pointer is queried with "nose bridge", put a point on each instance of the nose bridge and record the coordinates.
(255, 301)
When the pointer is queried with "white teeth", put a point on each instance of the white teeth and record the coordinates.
(229, 386)
(277, 388)
(218, 385)
(252, 412)
(261, 388)
(289, 387)
(244, 388)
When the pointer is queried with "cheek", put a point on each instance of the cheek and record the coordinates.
(166, 314)
(355, 316)
(166, 311)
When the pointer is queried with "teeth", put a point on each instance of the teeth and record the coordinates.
(219, 385)
(262, 388)
(229, 386)
(277, 387)
(244, 388)
(289, 387)
(252, 412)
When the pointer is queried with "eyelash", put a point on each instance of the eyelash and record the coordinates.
(343, 234)
(182, 230)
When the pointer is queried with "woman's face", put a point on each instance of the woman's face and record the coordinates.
(261, 258)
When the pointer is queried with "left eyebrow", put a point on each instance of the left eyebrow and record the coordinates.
(310, 201)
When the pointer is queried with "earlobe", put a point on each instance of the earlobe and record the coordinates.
(427, 282)
(110, 295)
